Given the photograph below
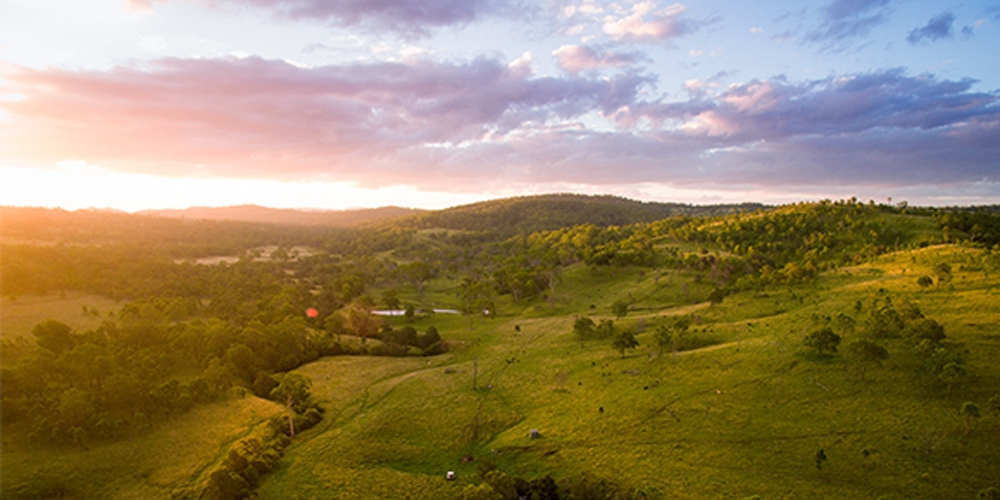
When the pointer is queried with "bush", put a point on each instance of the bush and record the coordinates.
(439, 347)
(263, 384)
(224, 484)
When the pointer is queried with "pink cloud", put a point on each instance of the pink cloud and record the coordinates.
(407, 17)
(645, 23)
(256, 117)
(576, 58)
(483, 124)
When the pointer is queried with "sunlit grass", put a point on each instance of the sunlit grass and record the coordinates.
(154, 464)
(744, 415)
(19, 316)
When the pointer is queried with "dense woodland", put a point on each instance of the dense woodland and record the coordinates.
(189, 333)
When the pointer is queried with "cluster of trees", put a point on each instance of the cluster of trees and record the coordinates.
(524, 215)
(72, 387)
(887, 320)
(498, 485)
(980, 224)
(121, 377)
(252, 457)
(622, 339)
(399, 341)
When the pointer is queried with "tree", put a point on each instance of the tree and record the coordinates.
(243, 360)
(925, 281)
(844, 323)
(822, 340)
(716, 295)
(605, 329)
(662, 336)
(54, 336)
(390, 298)
(672, 333)
(624, 339)
(477, 298)
(943, 272)
(263, 384)
(417, 273)
(583, 328)
(970, 411)
(620, 308)
(294, 391)
(359, 321)
(925, 328)
(224, 484)
(863, 354)
(990, 493)
(951, 374)
(430, 338)
(993, 405)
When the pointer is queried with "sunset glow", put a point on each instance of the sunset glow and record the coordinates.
(173, 103)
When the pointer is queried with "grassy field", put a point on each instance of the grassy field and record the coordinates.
(744, 415)
(17, 317)
(161, 463)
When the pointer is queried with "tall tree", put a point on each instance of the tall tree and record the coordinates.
(969, 411)
(951, 374)
(294, 391)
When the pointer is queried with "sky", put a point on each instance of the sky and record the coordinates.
(145, 104)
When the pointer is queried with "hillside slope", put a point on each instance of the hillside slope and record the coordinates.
(528, 214)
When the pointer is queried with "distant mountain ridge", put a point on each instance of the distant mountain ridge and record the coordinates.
(255, 213)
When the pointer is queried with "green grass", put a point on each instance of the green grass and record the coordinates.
(171, 458)
(727, 421)
(744, 415)
(18, 317)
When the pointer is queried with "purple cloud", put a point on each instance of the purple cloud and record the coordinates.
(245, 116)
(938, 28)
(407, 17)
(844, 20)
(576, 58)
(488, 123)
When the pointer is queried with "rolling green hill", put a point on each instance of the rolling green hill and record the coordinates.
(529, 214)
(826, 350)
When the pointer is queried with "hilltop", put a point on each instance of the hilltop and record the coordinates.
(529, 214)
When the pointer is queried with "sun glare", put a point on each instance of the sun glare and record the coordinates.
(76, 184)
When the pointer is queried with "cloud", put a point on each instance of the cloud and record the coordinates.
(258, 117)
(938, 28)
(845, 20)
(776, 109)
(645, 23)
(487, 123)
(884, 127)
(407, 17)
(576, 58)
(141, 5)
